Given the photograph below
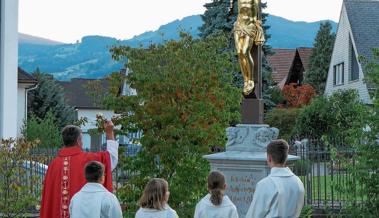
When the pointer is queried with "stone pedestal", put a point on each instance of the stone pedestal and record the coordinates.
(244, 162)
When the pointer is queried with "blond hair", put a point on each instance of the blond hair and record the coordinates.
(153, 196)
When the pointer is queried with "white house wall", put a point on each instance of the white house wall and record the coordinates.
(341, 54)
(8, 68)
(21, 110)
(90, 114)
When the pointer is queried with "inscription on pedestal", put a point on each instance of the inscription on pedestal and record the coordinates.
(241, 186)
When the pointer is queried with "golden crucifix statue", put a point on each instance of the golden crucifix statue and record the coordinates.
(247, 33)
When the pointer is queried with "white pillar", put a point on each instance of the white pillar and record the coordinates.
(8, 68)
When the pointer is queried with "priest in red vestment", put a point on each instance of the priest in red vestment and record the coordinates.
(65, 174)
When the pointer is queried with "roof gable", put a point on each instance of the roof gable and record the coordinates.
(77, 92)
(24, 77)
(281, 62)
(305, 55)
(363, 16)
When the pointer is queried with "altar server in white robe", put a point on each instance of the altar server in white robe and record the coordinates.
(216, 204)
(93, 200)
(281, 194)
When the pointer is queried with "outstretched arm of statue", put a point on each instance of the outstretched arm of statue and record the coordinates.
(112, 144)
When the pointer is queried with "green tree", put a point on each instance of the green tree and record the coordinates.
(45, 130)
(184, 103)
(49, 96)
(365, 170)
(320, 58)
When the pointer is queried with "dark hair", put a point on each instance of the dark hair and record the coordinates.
(94, 170)
(154, 194)
(216, 184)
(70, 135)
(278, 150)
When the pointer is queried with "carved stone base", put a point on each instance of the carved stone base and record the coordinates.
(253, 138)
(244, 163)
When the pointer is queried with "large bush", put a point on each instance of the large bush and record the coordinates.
(336, 116)
(185, 100)
(284, 119)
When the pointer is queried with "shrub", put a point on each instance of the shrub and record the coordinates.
(298, 95)
(302, 167)
(336, 116)
(17, 192)
(284, 119)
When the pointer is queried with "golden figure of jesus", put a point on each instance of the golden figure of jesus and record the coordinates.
(247, 33)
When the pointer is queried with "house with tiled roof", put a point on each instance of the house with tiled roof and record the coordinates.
(289, 65)
(357, 34)
(80, 96)
(26, 82)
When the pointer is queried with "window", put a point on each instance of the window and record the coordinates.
(338, 74)
(354, 68)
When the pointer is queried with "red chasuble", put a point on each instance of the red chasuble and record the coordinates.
(65, 177)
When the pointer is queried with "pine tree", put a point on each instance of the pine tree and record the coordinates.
(49, 96)
(320, 58)
(218, 17)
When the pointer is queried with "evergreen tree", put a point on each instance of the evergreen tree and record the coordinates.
(320, 58)
(220, 18)
(49, 96)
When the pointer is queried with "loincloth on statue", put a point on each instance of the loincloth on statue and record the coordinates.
(253, 30)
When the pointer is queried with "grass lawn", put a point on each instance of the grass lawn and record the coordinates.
(329, 188)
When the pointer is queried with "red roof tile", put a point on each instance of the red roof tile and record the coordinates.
(305, 54)
(77, 93)
(24, 77)
(281, 62)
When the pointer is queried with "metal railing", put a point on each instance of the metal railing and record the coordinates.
(324, 170)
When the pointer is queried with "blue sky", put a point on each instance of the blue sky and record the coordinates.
(69, 20)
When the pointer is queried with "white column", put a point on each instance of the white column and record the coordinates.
(8, 68)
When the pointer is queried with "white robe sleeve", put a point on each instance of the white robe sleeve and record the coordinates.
(235, 213)
(115, 210)
(197, 215)
(110, 207)
(112, 148)
(262, 200)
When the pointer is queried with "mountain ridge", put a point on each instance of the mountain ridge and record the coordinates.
(90, 58)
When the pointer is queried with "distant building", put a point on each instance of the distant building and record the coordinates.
(26, 82)
(78, 96)
(357, 34)
(289, 65)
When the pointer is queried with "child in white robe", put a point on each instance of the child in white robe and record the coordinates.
(153, 203)
(93, 200)
(216, 204)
